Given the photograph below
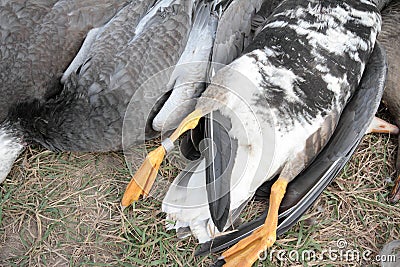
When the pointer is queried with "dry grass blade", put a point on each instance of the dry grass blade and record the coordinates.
(63, 209)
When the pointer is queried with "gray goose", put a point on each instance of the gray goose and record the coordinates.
(38, 41)
(111, 76)
(390, 39)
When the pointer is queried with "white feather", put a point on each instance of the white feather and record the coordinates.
(10, 148)
(188, 205)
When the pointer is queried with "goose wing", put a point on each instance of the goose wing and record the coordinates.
(188, 79)
(60, 35)
(220, 153)
(44, 37)
(236, 28)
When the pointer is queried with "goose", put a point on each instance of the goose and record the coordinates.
(37, 43)
(286, 94)
(38, 40)
(116, 73)
(305, 189)
(18, 21)
(390, 39)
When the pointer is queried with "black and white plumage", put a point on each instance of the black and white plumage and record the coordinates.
(237, 27)
(295, 78)
(303, 191)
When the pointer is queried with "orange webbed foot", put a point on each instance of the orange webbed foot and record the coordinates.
(144, 178)
(248, 251)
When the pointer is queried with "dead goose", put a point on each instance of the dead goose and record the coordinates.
(18, 21)
(303, 191)
(52, 32)
(305, 65)
(390, 39)
(143, 39)
(31, 70)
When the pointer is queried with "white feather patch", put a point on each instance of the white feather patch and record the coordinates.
(10, 148)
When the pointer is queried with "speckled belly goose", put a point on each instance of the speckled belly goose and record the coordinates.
(285, 97)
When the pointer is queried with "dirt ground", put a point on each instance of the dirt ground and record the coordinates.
(62, 209)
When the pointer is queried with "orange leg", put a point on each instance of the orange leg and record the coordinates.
(395, 194)
(247, 251)
(144, 178)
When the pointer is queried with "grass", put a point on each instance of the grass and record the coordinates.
(63, 210)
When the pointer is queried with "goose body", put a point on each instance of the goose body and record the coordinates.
(113, 75)
(303, 191)
(39, 40)
(390, 39)
(18, 22)
(286, 94)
